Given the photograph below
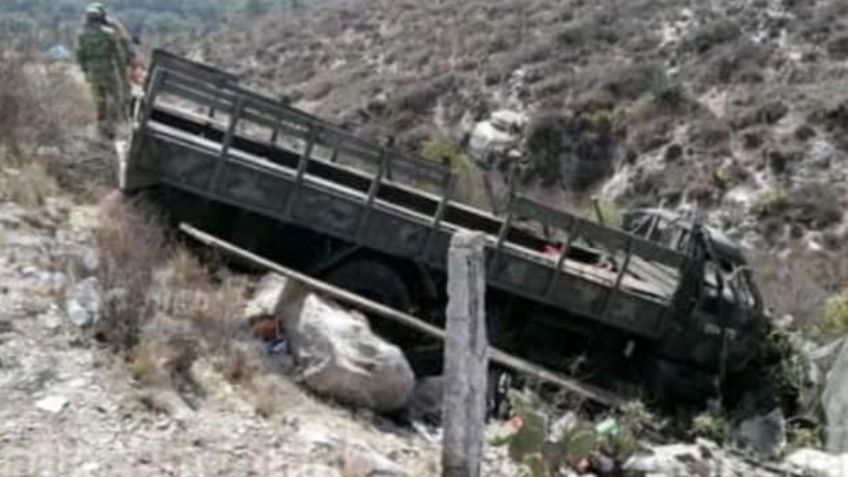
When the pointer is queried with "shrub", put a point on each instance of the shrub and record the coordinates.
(668, 91)
(577, 149)
(131, 245)
(30, 185)
(770, 202)
(15, 107)
(545, 143)
(445, 152)
(838, 48)
(834, 319)
(714, 34)
(712, 424)
(608, 212)
(632, 81)
(815, 206)
(40, 104)
(422, 96)
(741, 61)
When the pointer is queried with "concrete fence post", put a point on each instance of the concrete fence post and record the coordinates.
(466, 357)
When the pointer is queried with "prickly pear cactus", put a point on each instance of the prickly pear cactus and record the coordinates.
(541, 453)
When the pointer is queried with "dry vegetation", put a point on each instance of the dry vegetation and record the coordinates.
(166, 310)
(177, 321)
(44, 113)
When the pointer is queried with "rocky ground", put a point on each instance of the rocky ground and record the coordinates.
(71, 406)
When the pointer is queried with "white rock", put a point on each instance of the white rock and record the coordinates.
(266, 298)
(487, 138)
(676, 460)
(361, 461)
(342, 358)
(507, 120)
(835, 402)
(84, 302)
(52, 404)
(816, 463)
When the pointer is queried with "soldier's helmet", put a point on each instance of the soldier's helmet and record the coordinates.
(96, 11)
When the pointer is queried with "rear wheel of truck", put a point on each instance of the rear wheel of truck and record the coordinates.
(373, 280)
(379, 282)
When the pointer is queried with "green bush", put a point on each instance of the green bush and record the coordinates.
(770, 202)
(443, 151)
(608, 212)
(834, 318)
(712, 424)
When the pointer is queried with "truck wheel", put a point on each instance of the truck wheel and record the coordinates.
(374, 280)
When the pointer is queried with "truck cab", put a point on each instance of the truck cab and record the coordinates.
(726, 319)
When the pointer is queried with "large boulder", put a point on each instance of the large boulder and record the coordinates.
(816, 463)
(835, 402)
(340, 357)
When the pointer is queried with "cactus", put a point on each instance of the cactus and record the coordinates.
(533, 445)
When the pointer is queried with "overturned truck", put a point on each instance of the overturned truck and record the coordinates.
(664, 303)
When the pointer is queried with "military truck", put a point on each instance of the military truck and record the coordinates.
(665, 303)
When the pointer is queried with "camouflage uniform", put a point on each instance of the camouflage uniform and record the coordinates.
(104, 60)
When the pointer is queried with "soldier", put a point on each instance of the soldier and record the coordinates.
(103, 56)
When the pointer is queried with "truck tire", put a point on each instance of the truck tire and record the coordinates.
(374, 280)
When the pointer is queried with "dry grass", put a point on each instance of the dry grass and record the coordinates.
(26, 183)
(171, 312)
(131, 245)
(15, 108)
(43, 108)
(41, 104)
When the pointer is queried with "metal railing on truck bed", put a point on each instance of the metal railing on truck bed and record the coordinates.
(199, 131)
